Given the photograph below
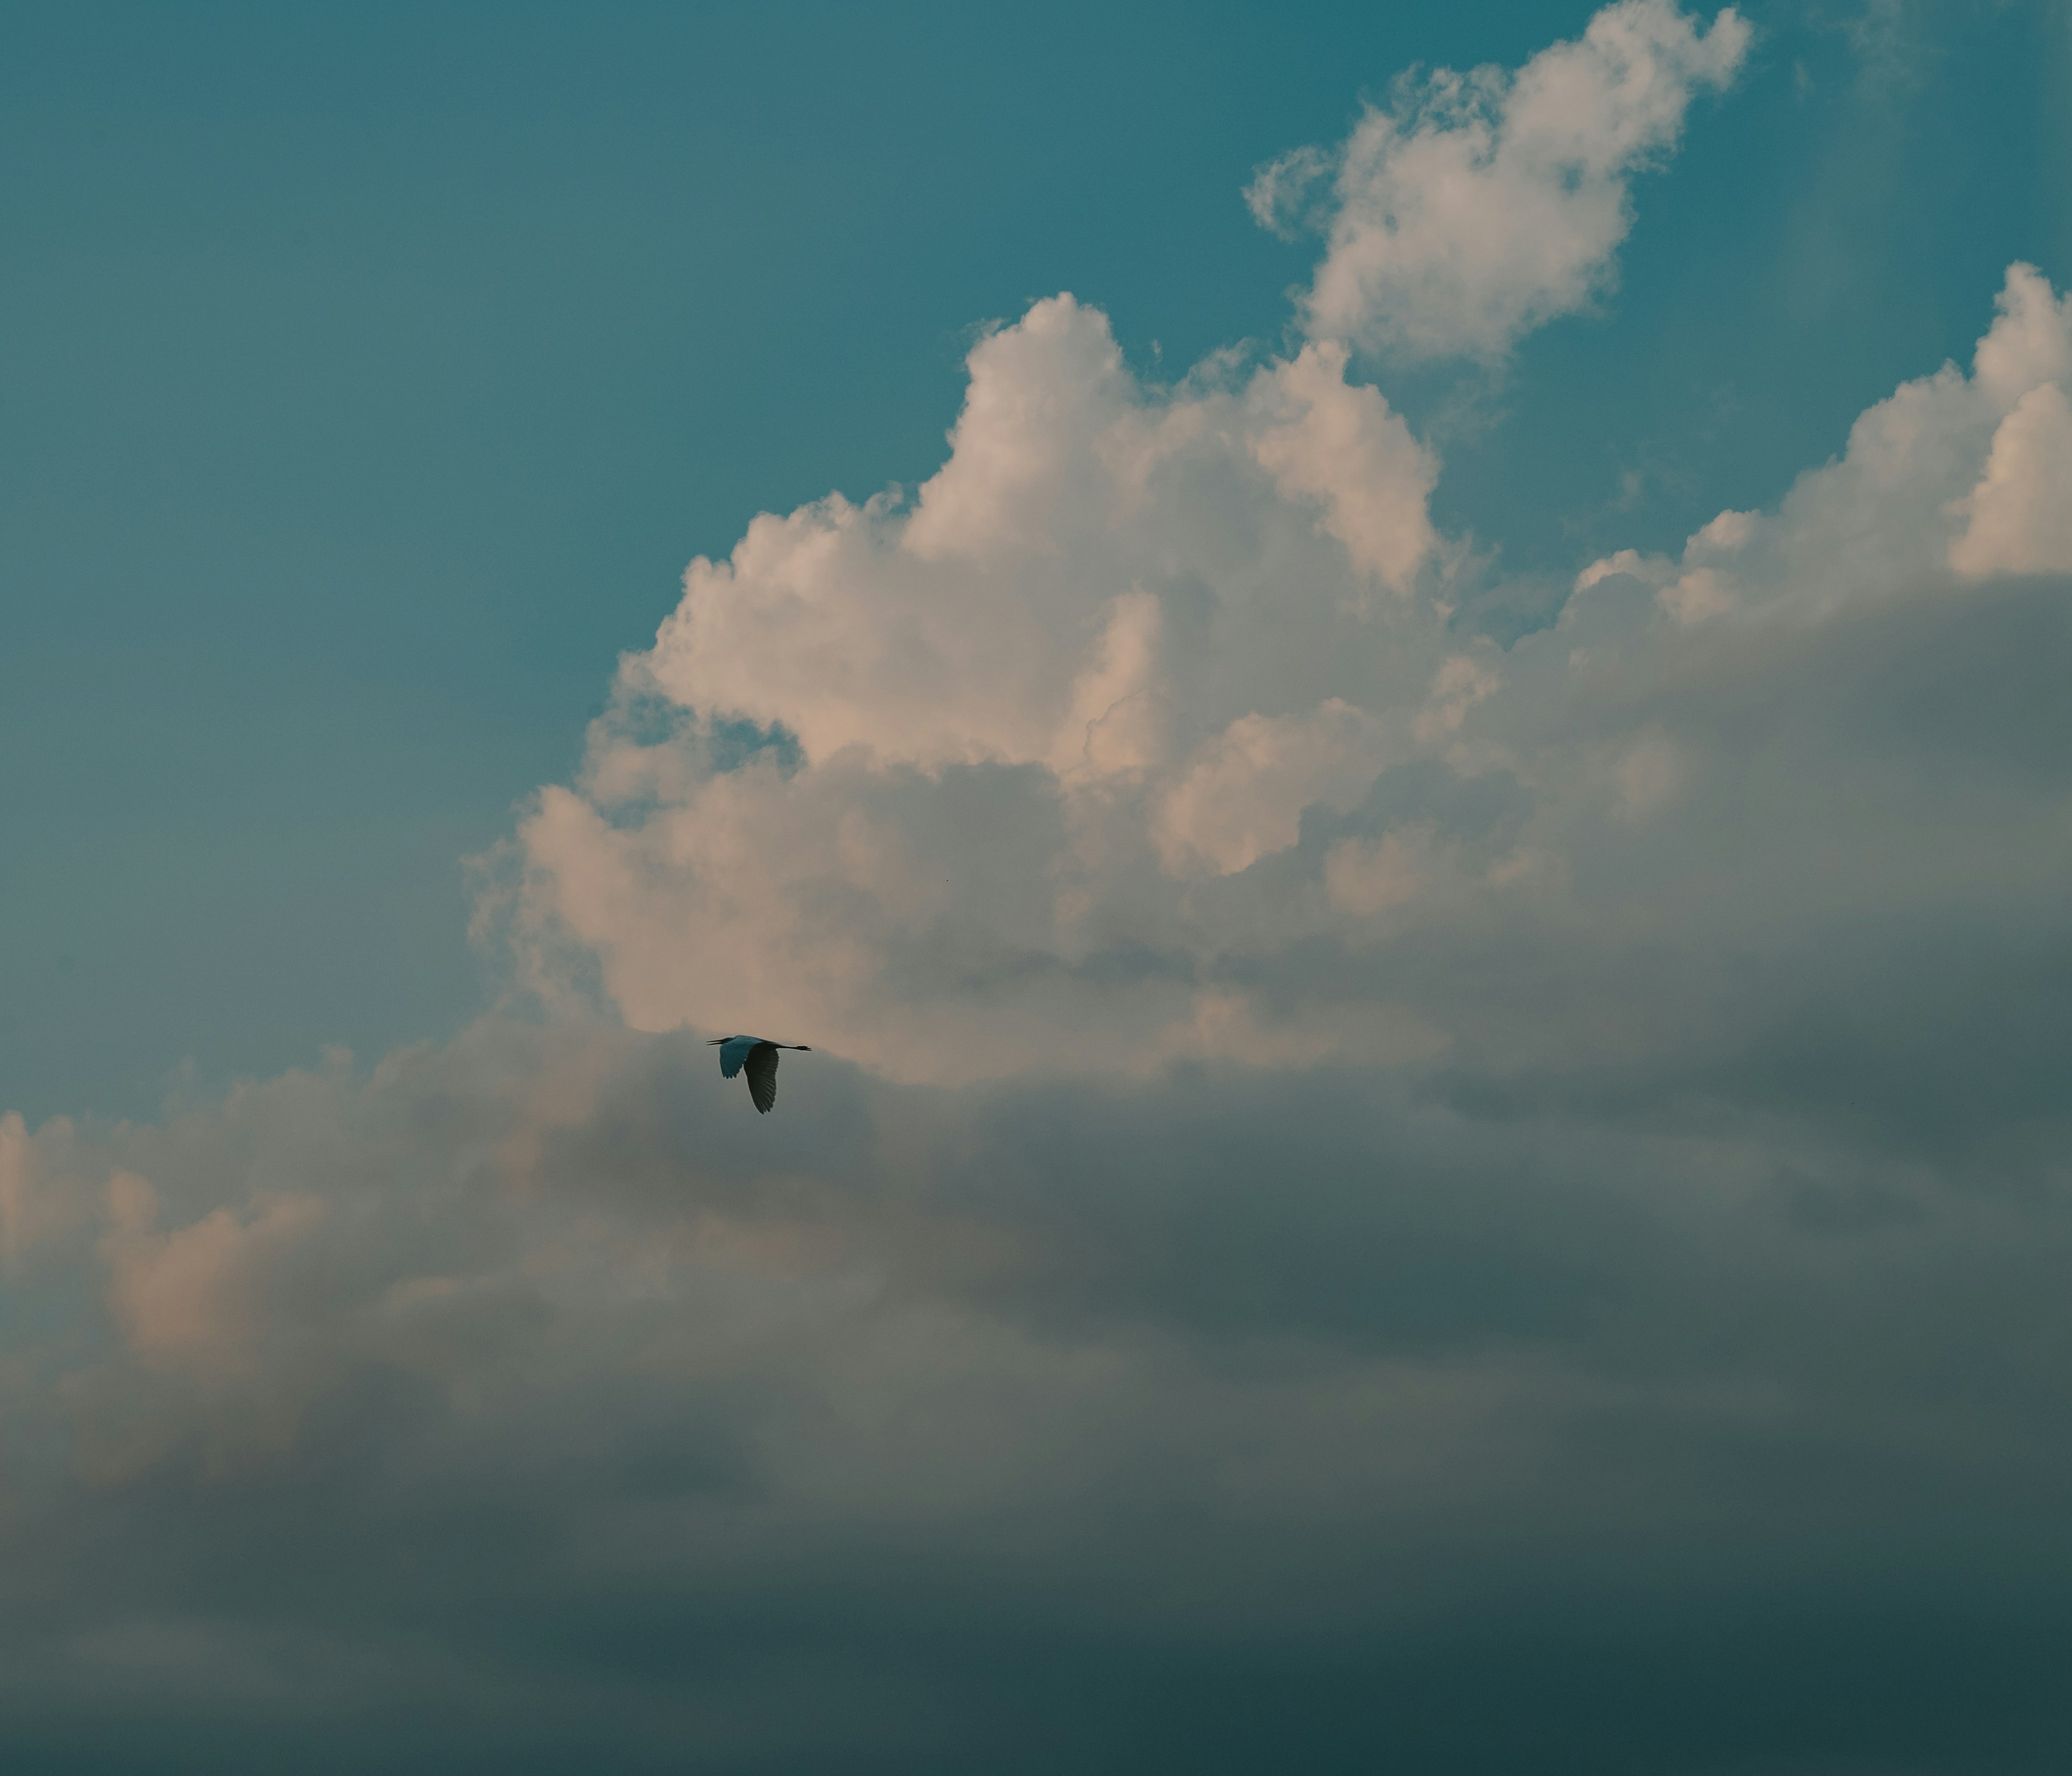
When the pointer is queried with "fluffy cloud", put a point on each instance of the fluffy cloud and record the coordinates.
(1065, 795)
(1047, 737)
(1951, 473)
(1004, 614)
(2017, 518)
(1477, 206)
(1113, 649)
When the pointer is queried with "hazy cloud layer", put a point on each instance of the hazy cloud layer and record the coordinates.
(1349, 1171)
(588, 1408)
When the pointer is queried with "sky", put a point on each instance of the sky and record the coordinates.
(1385, 686)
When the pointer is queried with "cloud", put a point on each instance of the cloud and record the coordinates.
(1112, 647)
(1341, 1161)
(1175, 792)
(1382, 1127)
(972, 627)
(31, 1212)
(585, 1368)
(1476, 207)
(194, 1300)
(2020, 522)
(1245, 797)
(1950, 472)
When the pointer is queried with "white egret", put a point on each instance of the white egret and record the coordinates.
(758, 1058)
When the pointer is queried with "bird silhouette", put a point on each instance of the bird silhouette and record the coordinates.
(756, 1057)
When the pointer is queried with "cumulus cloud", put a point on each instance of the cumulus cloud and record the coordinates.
(1116, 645)
(1150, 780)
(1951, 473)
(1474, 207)
(2019, 521)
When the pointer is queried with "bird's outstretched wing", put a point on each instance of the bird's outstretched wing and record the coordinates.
(733, 1052)
(761, 1066)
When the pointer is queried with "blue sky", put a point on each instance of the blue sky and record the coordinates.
(1399, 737)
(373, 376)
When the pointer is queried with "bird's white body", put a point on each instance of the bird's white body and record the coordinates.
(758, 1057)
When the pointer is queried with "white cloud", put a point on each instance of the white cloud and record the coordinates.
(1340, 445)
(1949, 472)
(1114, 645)
(1244, 794)
(1476, 207)
(1057, 774)
(977, 625)
(2021, 512)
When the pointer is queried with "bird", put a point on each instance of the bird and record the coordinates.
(757, 1058)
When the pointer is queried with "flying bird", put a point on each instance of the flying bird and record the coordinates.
(758, 1058)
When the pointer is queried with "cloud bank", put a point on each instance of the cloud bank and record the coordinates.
(1345, 1167)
